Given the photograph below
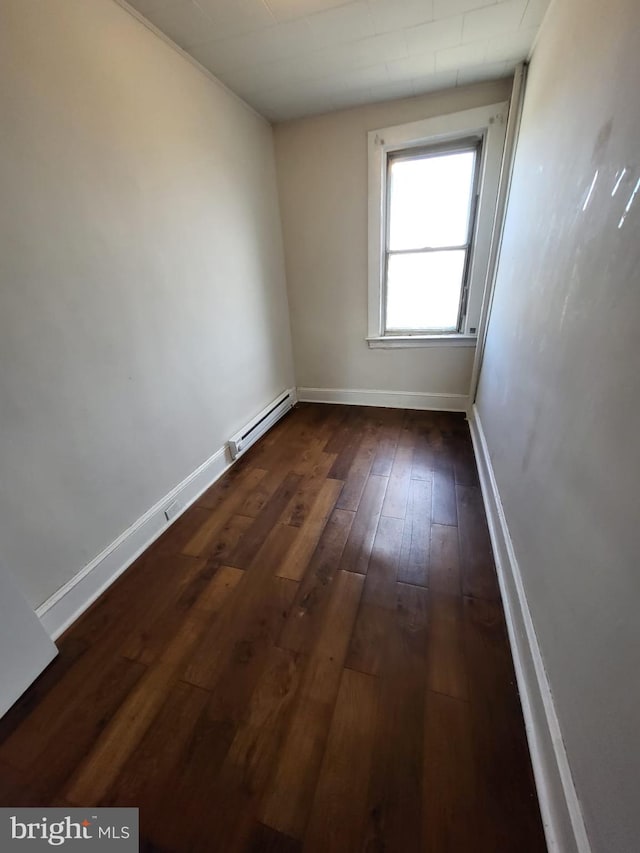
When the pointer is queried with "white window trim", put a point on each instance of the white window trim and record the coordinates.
(436, 340)
(490, 121)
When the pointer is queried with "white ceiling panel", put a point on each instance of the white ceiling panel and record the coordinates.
(284, 10)
(447, 8)
(501, 18)
(290, 58)
(412, 66)
(344, 23)
(235, 17)
(512, 49)
(436, 35)
(435, 82)
(490, 71)
(462, 56)
(534, 13)
(390, 15)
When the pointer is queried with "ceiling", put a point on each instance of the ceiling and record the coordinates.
(289, 58)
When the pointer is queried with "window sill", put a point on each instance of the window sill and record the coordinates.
(409, 341)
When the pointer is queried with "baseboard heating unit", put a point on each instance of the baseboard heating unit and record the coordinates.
(263, 421)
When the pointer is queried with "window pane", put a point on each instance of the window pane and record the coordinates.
(423, 290)
(429, 201)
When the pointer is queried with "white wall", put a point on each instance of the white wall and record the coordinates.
(143, 313)
(322, 178)
(559, 396)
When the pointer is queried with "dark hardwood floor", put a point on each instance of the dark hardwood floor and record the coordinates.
(314, 657)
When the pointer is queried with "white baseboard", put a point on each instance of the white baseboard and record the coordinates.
(559, 805)
(385, 399)
(71, 600)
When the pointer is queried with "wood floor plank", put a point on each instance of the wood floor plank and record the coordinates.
(158, 754)
(253, 603)
(296, 560)
(308, 490)
(307, 614)
(266, 840)
(387, 443)
(122, 735)
(447, 669)
(274, 450)
(444, 497)
(244, 651)
(422, 462)
(451, 814)
(394, 810)
(328, 417)
(264, 523)
(357, 475)
(231, 798)
(414, 558)
(439, 438)
(355, 557)
(257, 741)
(17, 789)
(218, 492)
(397, 494)
(343, 441)
(377, 606)
(227, 538)
(345, 458)
(260, 496)
(500, 745)
(204, 536)
(182, 806)
(62, 736)
(287, 802)
(464, 463)
(477, 567)
(69, 652)
(131, 601)
(444, 560)
(147, 639)
(292, 445)
(340, 801)
(307, 459)
(24, 745)
(182, 530)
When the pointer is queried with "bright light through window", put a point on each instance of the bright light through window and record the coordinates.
(430, 212)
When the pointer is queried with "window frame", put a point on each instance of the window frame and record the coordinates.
(488, 126)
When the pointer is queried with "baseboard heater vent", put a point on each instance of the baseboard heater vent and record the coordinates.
(256, 428)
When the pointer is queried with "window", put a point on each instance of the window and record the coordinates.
(432, 194)
(430, 215)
